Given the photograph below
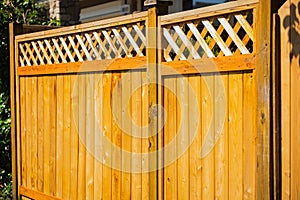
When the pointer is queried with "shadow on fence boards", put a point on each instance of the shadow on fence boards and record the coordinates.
(143, 106)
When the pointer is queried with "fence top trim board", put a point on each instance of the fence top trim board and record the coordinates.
(141, 16)
(210, 11)
(135, 17)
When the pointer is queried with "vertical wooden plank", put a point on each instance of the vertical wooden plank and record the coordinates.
(23, 130)
(182, 137)
(28, 127)
(74, 137)
(170, 130)
(136, 105)
(40, 172)
(66, 136)
(152, 71)
(221, 148)
(59, 138)
(34, 148)
(295, 139)
(207, 82)
(160, 134)
(295, 98)
(107, 119)
(46, 135)
(235, 136)
(14, 94)
(82, 137)
(262, 75)
(166, 134)
(98, 137)
(195, 125)
(126, 139)
(90, 124)
(15, 29)
(116, 136)
(285, 102)
(52, 134)
(249, 136)
(145, 175)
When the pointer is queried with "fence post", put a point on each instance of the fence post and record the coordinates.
(152, 75)
(262, 73)
(14, 29)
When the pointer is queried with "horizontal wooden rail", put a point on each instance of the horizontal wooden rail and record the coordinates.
(84, 27)
(118, 64)
(32, 194)
(210, 11)
(208, 65)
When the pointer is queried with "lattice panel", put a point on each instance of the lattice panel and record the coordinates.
(115, 42)
(218, 36)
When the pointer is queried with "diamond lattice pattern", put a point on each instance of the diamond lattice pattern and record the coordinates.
(217, 36)
(115, 42)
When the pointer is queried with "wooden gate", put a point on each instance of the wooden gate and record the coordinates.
(144, 107)
(209, 100)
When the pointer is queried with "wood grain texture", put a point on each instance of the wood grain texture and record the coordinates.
(152, 71)
(28, 127)
(23, 130)
(107, 132)
(73, 177)
(222, 143)
(136, 104)
(32, 194)
(182, 137)
(295, 99)
(60, 137)
(126, 139)
(116, 136)
(90, 136)
(262, 75)
(208, 176)
(223, 64)
(145, 165)
(34, 142)
(46, 136)
(235, 136)
(284, 11)
(249, 142)
(52, 134)
(40, 135)
(66, 140)
(14, 29)
(195, 171)
(82, 137)
(170, 131)
(98, 169)
(88, 66)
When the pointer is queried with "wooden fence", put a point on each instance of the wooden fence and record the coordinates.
(87, 99)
